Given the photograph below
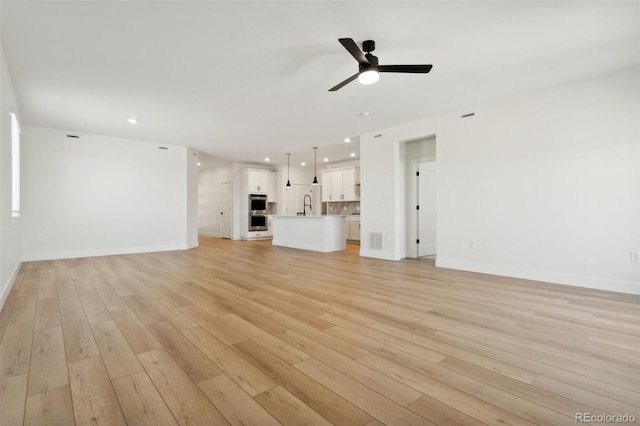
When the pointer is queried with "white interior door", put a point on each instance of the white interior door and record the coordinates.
(427, 210)
(226, 210)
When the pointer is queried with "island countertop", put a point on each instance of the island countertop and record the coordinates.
(318, 232)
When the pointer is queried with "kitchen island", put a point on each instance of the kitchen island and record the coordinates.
(317, 233)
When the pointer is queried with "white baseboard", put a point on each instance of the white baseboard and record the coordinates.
(378, 254)
(209, 234)
(6, 289)
(619, 286)
(30, 257)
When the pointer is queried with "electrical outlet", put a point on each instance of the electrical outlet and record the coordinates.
(473, 244)
(635, 256)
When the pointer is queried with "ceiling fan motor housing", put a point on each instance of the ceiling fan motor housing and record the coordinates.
(368, 46)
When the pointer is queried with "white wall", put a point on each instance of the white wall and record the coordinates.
(209, 197)
(10, 229)
(100, 195)
(546, 183)
(192, 198)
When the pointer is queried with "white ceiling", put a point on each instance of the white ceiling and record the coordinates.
(242, 80)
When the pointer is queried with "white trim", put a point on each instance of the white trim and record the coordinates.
(209, 234)
(377, 254)
(9, 285)
(101, 252)
(605, 284)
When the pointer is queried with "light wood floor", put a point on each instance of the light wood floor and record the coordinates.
(246, 333)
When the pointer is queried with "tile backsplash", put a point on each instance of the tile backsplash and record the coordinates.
(345, 208)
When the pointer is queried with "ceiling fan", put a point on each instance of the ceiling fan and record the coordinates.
(368, 64)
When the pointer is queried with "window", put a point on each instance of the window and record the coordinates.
(15, 166)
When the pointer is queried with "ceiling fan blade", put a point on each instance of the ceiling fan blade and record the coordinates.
(422, 69)
(355, 51)
(344, 83)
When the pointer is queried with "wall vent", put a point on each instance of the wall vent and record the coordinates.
(375, 240)
(73, 136)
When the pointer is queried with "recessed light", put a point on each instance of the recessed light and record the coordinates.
(199, 163)
(303, 164)
(347, 140)
(267, 159)
(326, 159)
(133, 121)
(353, 154)
(364, 114)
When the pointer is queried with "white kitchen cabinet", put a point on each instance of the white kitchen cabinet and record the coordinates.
(272, 192)
(350, 185)
(353, 228)
(341, 185)
(257, 181)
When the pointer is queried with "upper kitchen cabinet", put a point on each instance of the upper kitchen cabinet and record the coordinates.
(341, 185)
(272, 192)
(257, 181)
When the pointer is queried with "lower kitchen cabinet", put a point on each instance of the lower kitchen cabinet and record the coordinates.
(353, 228)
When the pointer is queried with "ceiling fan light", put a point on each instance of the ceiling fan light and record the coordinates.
(369, 77)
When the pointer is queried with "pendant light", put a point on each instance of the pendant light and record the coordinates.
(288, 181)
(315, 162)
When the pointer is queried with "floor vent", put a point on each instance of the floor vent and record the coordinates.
(375, 240)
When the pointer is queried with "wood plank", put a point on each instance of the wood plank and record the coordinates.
(13, 395)
(196, 364)
(112, 301)
(185, 400)
(522, 407)
(47, 314)
(15, 350)
(24, 309)
(53, 407)
(598, 401)
(264, 339)
(138, 336)
(141, 402)
(48, 361)
(383, 384)
(319, 398)
(172, 314)
(94, 400)
(441, 414)
(248, 377)
(78, 338)
(93, 307)
(234, 403)
(143, 310)
(67, 295)
(116, 353)
(213, 325)
(288, 409)
(47, 288)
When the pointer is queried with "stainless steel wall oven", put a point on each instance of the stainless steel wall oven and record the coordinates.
(258, 212)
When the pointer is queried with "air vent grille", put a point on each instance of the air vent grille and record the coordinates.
(375, 240)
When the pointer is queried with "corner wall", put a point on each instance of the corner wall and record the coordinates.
(10, 229)
(547, 184)
(100, 195)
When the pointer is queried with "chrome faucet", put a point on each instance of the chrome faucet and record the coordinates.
(304, 202)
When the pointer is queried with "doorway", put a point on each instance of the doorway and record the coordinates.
(226, 210)
(418, 167)
(426, 183)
